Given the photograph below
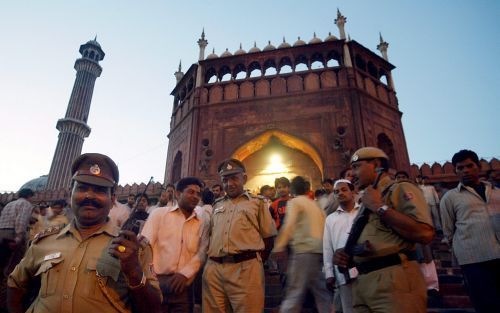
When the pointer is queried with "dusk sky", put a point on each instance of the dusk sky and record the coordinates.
(446, 53)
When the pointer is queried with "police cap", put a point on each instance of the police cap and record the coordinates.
(368, 153)
(230, 167)
(95, 169)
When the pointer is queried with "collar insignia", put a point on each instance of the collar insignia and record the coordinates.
(229, 167)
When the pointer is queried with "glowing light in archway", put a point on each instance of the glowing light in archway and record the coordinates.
(275, 166)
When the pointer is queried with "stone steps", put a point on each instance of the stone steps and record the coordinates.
(452, 295)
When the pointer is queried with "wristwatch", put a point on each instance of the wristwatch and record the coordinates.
(381, 211)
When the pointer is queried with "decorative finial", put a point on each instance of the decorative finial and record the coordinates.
(269, 42)
(95, 38)
(338, 13)
(240, 46)
(203, 33)
(314, 35)
(298, 37)
(255, 44)
(284, 39)
(213, 50)
(180, 65)
(381, 39)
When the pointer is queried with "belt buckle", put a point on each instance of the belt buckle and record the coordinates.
(228, 259)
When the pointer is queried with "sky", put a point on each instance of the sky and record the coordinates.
(445, 52)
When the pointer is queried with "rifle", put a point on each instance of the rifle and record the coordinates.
(351, 246)
(136, 219)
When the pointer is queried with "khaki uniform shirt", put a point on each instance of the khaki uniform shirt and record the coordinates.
(404, 197)
(239, 225)
(68, 267)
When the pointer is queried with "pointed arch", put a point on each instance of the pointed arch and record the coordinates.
(176, 168)
(257, 143)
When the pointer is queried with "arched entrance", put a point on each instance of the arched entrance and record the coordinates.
(274, 154)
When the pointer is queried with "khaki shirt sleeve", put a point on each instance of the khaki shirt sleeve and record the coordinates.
(22, 275)
(266, 224)
(409, 200)
(146, 260)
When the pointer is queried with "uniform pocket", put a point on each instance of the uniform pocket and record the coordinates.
(91, 285)
(247, 218)
(49, 272)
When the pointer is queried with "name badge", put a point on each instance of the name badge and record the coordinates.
(219, 210)
(52, 256)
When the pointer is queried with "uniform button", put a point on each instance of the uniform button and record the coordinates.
(66, 297)
(73, 268)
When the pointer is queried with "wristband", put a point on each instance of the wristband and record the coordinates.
(141, 284)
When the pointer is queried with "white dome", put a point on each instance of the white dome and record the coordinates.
(226, 54)
(254, 49)
(284, 44)
(315, 40)
(331, 37)
(212, 55)
(240, 51)
(299, 42)
(269, 46)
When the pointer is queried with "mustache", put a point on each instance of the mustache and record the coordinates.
(90, 202)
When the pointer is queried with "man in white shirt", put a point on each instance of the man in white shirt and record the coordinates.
(119, 213)
(432, 199)
(167, 199)
(337, 227)
(179, 239)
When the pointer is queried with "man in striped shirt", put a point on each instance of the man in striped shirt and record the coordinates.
(14, 222)
(470, 216)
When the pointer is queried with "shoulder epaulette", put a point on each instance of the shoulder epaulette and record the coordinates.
(47, 232)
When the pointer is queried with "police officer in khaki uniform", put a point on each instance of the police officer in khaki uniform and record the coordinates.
(241, 236)
(89, 265)
(389, 278)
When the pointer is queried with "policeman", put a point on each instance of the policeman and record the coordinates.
(241, 236)
(390, 279)
(88, 265)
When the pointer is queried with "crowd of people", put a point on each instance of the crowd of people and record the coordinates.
(360, 243)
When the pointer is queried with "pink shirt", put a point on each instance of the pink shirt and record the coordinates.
(179, 244)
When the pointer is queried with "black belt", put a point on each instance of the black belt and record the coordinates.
(7, 229)
(383, 262)
(235, 258)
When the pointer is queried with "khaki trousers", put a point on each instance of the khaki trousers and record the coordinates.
(233, 287)
(394, 289)
(346, 298)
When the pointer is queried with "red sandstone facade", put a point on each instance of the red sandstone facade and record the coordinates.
(342, 99)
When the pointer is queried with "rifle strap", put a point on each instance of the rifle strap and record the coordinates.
(111, 300)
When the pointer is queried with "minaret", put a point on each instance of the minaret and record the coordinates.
(73, 127)
(340, 21)
(382, 47)
(202, 42)
(179, 74)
